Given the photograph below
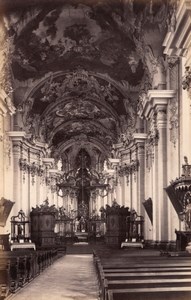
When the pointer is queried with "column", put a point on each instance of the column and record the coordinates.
(140, 143)
(124, 189)
(127, 191)
(7, 109)
(159, 100)
(98, 203)
(109, 201)
(118, 191)
(162, 171)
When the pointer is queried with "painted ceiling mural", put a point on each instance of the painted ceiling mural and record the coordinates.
(68, 36)
(78, 68)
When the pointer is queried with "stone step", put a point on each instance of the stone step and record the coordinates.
(79, 248)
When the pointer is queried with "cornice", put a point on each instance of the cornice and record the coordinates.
(48, 159)
(156, 98)
(17, 135)
(22, 137)
(114, 161)
(177, 42)
(139, 137)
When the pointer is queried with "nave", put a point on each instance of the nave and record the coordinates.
(112, 274)
(71, 277)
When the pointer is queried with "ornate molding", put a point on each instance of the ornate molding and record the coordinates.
(171, 19)
(153, 101)
(53, 179)
(129, 169)
(173, 120)
(155, 66)
(44, 209)
(174, 42)
(31, 168)
(151, 142)
(172, 61)
(186, 80)
(6, 104)
(6, 51)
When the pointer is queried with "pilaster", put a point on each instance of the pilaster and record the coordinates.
(48, 163)
(139, 140)
(7, 109)
(157, 108)
(17, 140)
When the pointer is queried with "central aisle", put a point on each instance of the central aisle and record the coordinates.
(71, 277)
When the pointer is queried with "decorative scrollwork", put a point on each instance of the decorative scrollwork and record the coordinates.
(127, 169)
(186, 80)
(33, 168)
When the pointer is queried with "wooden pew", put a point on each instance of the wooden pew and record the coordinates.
(4, 279)
(143, 269)
(144, 283)
(170, 293)
(23, 266)
(160, 273)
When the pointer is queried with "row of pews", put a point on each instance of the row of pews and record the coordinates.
(17, 268)
(123, 277)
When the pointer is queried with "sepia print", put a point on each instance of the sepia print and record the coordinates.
(95, 149)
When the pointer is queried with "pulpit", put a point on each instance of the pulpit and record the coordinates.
(179, 192)
(43, 224)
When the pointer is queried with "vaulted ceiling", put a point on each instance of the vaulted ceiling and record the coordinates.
(78, 68)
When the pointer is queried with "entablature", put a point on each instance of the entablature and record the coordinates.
(154, 99)
(178, 42)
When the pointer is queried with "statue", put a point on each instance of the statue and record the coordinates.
(188, 216)
(186, 160)
(76, 225)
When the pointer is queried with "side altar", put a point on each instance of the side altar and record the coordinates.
(20, 233)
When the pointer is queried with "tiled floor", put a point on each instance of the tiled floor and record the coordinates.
(71, 277)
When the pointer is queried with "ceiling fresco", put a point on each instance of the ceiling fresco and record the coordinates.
(78, 68)
(68, 36)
